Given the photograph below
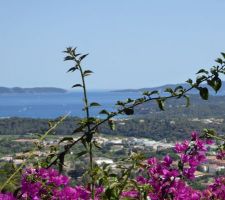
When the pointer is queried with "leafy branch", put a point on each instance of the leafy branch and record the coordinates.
(211, 78)
(90, 125)
(77, 58)
(31, 153)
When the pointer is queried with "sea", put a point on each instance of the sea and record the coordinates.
(51, 105)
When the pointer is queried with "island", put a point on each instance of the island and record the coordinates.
(34, 90)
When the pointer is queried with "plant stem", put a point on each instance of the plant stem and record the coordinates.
(128, 173)
(89, 134)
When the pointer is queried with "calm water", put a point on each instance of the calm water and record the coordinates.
(54, 105)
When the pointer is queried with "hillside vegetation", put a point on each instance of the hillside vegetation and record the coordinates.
(174, 123)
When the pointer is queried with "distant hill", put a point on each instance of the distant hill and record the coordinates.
(173, 86)
(35, 90)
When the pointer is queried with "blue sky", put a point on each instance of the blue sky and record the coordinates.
(132, 44)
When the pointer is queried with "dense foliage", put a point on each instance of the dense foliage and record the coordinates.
(175, 123)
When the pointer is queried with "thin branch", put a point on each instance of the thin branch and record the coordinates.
(32, 151)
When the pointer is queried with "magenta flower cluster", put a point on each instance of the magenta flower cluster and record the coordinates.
(7, 196)
(164, 179)
(40, 183)
(216, 190)
(168, 180)
(43, 183)
(192, 154)
(48, 184)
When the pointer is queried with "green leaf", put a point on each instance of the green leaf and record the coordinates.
(68, 58)
(128, 111)
(120, 103)
(72, 52)
(180, 165)
(219, 60)
(115, 184)
(104, 112)
(97, 145)
(204, 93)
(77, 85)
(129, 100)
(61, 161)
(89, 137)
(180, 89)
(81, 153)
(91, 120)
(83, 56)
(94, 104)
(160, 104)
(213, 70)
(87, 72)
(215, 83)
(146, 93)
(109, 192)
(68, 50)
(154, 92)
(187, 100)
(72, 69)
(111, 125)
(170, 90)
(113, 175)
(2, 171)
(84, 142)
(223, 54)
(190, 81)
(66, 139)
(140, 100)
(200, 79)
(79, 129)
(202, 71)
(149, 93)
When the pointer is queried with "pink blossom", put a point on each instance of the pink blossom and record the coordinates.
(220, 155)
(130, 194)
(152, 161)
(7, 196)
(167, 160)
(216, 190)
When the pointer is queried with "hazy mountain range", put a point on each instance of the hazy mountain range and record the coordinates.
(35, 90)
(173, 86)
(19, 90)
